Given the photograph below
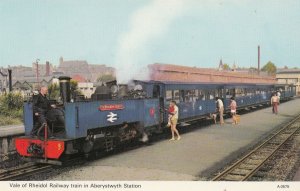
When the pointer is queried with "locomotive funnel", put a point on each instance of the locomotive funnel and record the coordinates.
(65, 91)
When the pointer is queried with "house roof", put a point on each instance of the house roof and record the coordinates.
(169, 72)
(2, 73)
(288, 71)
(78, 78)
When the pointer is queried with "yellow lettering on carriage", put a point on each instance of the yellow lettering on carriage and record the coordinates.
(59, 147)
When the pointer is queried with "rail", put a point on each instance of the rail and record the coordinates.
(248, 165)
(24, 171)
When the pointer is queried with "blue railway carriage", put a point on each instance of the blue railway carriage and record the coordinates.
(248, 95)
(197, 100)
(287, 91)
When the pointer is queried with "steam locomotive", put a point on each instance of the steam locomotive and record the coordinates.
(117, 114)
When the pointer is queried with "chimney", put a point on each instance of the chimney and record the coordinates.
(61, 60)
(65, 91)
(258, 59)
(47, 68)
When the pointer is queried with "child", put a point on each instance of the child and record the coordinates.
(233, 107)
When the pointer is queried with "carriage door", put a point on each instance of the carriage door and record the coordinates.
(156, 94)
(156, 91)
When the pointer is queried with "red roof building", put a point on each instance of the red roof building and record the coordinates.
(169, 72)
(78, 78)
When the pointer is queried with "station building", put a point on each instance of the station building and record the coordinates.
(289, 76)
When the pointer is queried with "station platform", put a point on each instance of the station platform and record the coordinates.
(11, 130)
(297, 176)
(7, 143)
(199, 152)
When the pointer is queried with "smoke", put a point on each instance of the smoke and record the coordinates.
(146, 24)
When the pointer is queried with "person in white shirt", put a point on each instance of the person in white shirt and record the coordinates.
(174, 120)
(278, 95)
(220, 109)
(274, 103)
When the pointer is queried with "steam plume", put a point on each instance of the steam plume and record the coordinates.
(146, 24)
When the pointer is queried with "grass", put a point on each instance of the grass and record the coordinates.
(8, 120)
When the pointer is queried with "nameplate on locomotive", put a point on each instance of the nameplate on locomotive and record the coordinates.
(111, 107)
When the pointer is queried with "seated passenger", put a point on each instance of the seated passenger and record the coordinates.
(41, 106)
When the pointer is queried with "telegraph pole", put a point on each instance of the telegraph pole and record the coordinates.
(258, 59)
(37, 71)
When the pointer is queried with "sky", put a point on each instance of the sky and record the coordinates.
(130, 34)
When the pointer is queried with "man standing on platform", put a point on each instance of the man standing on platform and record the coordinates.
(220, 109)
(274, 103)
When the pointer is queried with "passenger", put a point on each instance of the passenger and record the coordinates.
(278, 95)
(220, 109)
(274, 103)
(174, 120)
(170, 110)
(41, 106)
(233, 107)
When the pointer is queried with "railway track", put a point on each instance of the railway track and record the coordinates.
(23, 171)
(248, 165)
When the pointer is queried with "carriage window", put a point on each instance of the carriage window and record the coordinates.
(195, 95)
(201, 95)
(210, 94)
(217, 93)
(189, 94)
(230, 93)
(239, 92)
(249, 92)
(181, 96)
(176, 96)
(169, 95)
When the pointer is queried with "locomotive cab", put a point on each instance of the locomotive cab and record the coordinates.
(55, 121)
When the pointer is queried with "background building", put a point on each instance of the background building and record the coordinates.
(289, 76)
(169, 72)
(90, 72)
(3, 81)
(86, 88)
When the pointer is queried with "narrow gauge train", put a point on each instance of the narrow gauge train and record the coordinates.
(118, 114)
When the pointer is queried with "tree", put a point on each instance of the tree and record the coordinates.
(270, 68)
(73, 85)
(74, 88)
(226, 67)
(53, 90)
(11, 108)
(106, 78)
